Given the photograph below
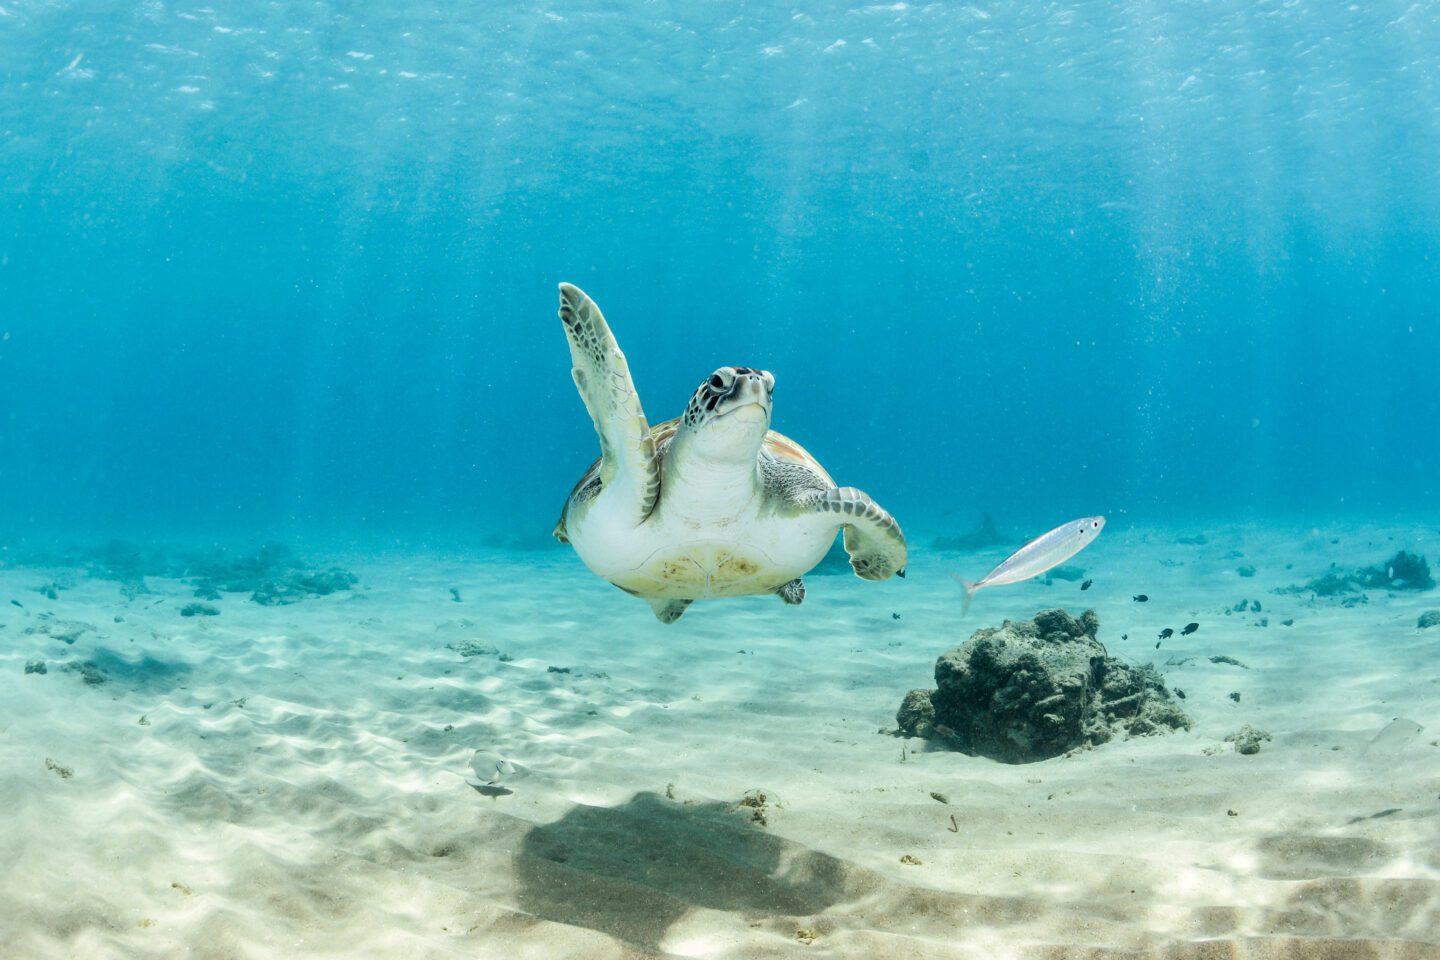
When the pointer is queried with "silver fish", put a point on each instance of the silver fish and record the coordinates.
(1044, 552)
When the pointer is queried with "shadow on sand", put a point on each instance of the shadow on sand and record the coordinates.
(632, 871)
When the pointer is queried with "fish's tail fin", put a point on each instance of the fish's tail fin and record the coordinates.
(970, 589)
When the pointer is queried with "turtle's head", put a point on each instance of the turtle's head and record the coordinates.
(729, 414)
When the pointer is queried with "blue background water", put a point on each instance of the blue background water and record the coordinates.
(292, 267)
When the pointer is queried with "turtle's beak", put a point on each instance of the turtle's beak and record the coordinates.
(737, 400)
(749, 397)
(750, 387)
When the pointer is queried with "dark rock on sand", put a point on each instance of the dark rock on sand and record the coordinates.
(199, 610)
(36, 666)
(89, 671)
(301, 585)
(1247, 739)
(1428, 619)
(1404, 571)
(272, 576)
(1333, 583)
(1032, 690)
(470, 647)
(916, 716)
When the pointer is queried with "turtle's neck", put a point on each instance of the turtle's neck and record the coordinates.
(705, 489)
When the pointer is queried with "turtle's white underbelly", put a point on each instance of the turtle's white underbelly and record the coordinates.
(681, 559)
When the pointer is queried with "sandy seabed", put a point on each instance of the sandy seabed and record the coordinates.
(296, 781)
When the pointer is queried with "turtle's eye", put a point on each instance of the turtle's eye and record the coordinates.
(717, 382)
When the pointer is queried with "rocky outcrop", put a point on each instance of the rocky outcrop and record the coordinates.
(1032, 690)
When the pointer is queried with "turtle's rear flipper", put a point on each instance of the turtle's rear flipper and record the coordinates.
(668, 611)
(603, 377)
(872, 537)
(792, 592)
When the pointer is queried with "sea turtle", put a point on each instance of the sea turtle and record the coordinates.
(711, 504)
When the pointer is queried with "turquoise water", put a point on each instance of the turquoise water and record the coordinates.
(291, 667)
(290, 269)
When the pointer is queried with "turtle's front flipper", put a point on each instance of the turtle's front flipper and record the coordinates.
(872, 537)
(668, 611)
(603, 377)
(792, 592)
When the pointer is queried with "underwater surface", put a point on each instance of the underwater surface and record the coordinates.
(291, 665)
(270, 266)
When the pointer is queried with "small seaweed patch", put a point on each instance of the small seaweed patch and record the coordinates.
(51, 590)
(272, 576)
(59, 769)
(470, 647)
(89, 671)
(756, 801)
(66, 631)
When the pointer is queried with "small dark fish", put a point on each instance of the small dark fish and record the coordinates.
(1189, 629)
(1140, 598)
(1086, 584)
(894, 616)
(1180, 693)
(1166, 634)
(1124, 636)
(17, 603)
(1157, 644)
